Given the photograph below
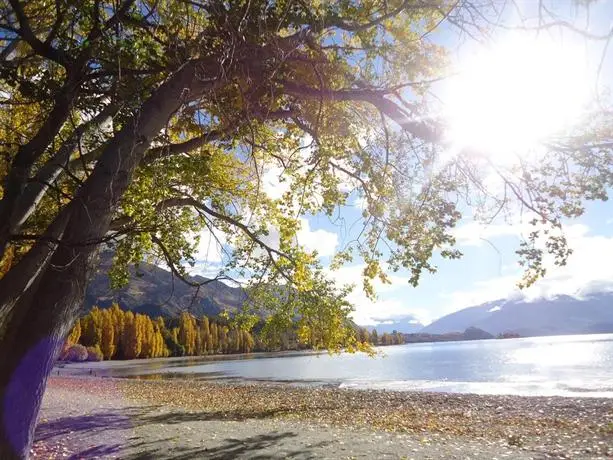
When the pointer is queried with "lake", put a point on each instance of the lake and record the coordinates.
(544, 366)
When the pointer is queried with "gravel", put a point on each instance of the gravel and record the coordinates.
(184, 419)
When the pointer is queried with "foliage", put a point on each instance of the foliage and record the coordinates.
(138, 124)
(329, 96)
(75, 353)
(125, 335)
(307, 89)
(372, 338)
(75, 334)
(94, 353)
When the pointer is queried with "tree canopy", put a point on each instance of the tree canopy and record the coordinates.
(141, 124)
(329, 95)
(317, 91)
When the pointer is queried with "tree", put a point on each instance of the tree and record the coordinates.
(160, 338)
(72, 339)
(94, 353)
(91, 328)
(248, 342)
(205, 334)
(117, 315)
(132, 338)
(172, 343)
(214, 338)
(76, 353)
(75, 334)
(148, 349)
(138, 123)
(107, 345)
(187, 333)
(223, 339)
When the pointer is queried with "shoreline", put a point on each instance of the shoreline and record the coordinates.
(517, 426)
(183, 359)
(197, 369)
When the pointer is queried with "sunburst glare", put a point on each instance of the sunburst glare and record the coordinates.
(509, 97)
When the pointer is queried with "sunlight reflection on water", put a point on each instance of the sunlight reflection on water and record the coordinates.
(562, 354)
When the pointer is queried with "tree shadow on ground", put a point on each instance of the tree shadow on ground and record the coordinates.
(84, 429)
(260, 446)
(251, 447)
(132, 417)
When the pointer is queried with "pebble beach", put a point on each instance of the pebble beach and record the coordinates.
(88, 417)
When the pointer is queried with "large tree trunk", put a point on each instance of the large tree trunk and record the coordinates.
(33, 336)
(38, 309)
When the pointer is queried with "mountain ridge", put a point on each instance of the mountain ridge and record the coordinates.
(154, 291)
(538, 317)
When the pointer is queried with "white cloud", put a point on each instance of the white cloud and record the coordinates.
(502, 287)
(360, 202)
(210, 246)
(353, 274)
(372, 312)
(346, 183)
(322, 241)
(589, 269)
(380, 311)
(476, 234)
(273, 182)
(210, 254)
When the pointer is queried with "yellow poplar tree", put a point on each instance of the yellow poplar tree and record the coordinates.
(214, 338)
(205, 334)
(187, 333)
(223, 339)
(148, 334)
(75, 334)
(107, 345)
(117, 315)
(131, 341)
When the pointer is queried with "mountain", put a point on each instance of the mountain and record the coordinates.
(406, 325)
(471, 333)
(559, 315)
(152, 290)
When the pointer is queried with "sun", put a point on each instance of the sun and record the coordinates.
(508, 98)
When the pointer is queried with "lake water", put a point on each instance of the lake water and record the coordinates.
(546, 366)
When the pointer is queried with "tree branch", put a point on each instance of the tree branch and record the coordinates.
(174, 269)
(376, 98)
(27, 34)
(169, 150)
(124, 221)
(357, 27)
(50, 171)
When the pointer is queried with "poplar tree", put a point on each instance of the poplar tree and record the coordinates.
(75, 334)
(132, 341)
(107, 344)
(214, 338)
(205, 334)
(187, 333)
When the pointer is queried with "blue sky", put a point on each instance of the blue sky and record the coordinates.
(488, 270)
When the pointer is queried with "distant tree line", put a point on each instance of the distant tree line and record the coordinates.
(113, 333)
(373, 338)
